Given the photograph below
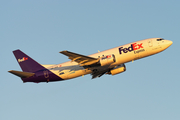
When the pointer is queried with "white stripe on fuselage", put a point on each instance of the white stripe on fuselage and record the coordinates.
(123, 54)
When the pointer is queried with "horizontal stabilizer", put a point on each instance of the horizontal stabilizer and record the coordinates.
(21, 74)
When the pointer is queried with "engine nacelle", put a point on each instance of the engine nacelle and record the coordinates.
(107, 60)
(119, 69)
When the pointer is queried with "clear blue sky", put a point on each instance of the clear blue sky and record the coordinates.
(148, 90)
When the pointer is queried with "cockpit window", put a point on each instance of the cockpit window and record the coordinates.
(160, 39)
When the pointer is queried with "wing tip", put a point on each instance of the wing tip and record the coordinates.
(63, 51)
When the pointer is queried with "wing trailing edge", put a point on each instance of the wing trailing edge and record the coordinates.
(80, 59)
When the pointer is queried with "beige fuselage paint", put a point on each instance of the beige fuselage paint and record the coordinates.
(123, 54)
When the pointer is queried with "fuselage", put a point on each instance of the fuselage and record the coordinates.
(123, 54)
(111, 61)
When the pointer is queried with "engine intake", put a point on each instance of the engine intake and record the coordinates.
(107, 60)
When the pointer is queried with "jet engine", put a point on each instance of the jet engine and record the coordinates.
(119, 69)
(107, 60)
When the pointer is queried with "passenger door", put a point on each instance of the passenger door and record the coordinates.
(150, 43)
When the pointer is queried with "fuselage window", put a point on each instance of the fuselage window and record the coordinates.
(61, 73)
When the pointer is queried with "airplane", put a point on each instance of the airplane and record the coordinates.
(111, 62)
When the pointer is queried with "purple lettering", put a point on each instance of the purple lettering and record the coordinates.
(125, 50)
(120, 49)
(130, 48)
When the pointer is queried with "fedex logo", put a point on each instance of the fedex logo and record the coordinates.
(106, 57)
(133, 47)
(23, 59)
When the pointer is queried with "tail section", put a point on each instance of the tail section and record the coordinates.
(32, 70)
(26, 63)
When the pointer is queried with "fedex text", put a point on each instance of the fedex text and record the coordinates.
(133, 47)
(23, 59)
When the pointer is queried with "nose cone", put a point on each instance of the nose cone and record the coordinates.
(169, 43)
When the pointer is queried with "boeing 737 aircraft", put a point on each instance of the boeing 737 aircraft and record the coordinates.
(111, 61)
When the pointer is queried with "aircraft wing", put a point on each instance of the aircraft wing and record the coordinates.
(80, 59)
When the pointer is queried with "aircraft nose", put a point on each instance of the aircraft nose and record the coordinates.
(169, 42)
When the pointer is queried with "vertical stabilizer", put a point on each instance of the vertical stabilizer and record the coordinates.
(26, 63)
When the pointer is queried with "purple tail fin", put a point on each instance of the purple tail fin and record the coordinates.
(26, 63)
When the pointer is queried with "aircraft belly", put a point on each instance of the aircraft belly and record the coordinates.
(76, 74)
